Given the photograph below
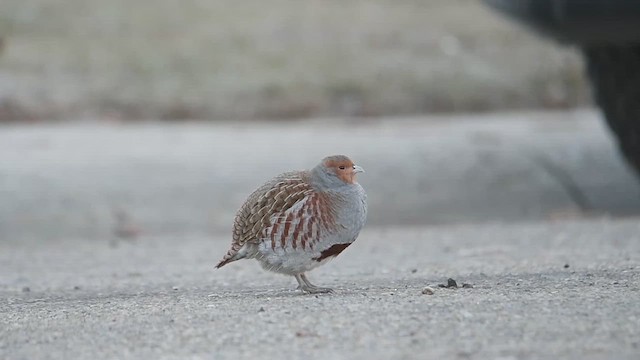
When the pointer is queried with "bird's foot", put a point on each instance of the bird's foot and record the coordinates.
(306, 286)
(315, 289)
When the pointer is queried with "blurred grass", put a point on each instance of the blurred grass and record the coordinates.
(215, 59)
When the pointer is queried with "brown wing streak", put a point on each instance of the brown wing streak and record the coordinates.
(254, 217)
(288, 227)
(301, 224)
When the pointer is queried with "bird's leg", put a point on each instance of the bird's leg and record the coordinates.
(301, 283)
(305, 285)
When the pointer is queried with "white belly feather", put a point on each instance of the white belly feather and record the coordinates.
(296, 243)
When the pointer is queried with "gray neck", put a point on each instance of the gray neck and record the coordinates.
(322, 181)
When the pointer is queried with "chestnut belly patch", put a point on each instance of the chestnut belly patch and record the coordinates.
(334, 250)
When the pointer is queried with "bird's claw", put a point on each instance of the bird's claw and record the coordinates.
(315, 290)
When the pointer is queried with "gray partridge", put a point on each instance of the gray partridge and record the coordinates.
(299, 220)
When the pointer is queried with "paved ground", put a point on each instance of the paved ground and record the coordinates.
(551, 243)
(546, 290)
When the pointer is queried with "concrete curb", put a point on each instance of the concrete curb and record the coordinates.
(102, 180)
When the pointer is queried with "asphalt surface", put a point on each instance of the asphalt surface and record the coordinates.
(109, 234)
(547, 290)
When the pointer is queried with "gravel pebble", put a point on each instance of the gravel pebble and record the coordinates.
(428, 290)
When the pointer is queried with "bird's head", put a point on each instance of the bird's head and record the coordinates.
(338, 170)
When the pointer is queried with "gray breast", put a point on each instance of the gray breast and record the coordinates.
(352, 213)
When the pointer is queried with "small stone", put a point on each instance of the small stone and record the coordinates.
(175, 288)
(76, 287)
(428, 290)
(413, 271)
(467, 286)
(302, 333)
(26, 289)
(451, 284)
(566, 266)
(261, 309)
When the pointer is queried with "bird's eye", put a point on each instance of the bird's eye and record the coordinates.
(341, 167)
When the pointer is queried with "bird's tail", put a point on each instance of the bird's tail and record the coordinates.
(223, 262)
(235, 253)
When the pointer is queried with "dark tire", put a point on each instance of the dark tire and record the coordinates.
(615, 75)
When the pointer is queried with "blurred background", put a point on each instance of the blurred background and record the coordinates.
(273, 59)
(155, 116)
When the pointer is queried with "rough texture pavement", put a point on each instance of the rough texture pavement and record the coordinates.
(548, 290)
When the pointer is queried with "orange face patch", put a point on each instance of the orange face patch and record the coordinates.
(342, 166)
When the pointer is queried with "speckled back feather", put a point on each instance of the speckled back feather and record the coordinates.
(272, 198)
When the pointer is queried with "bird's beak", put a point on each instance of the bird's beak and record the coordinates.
(357, 169)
